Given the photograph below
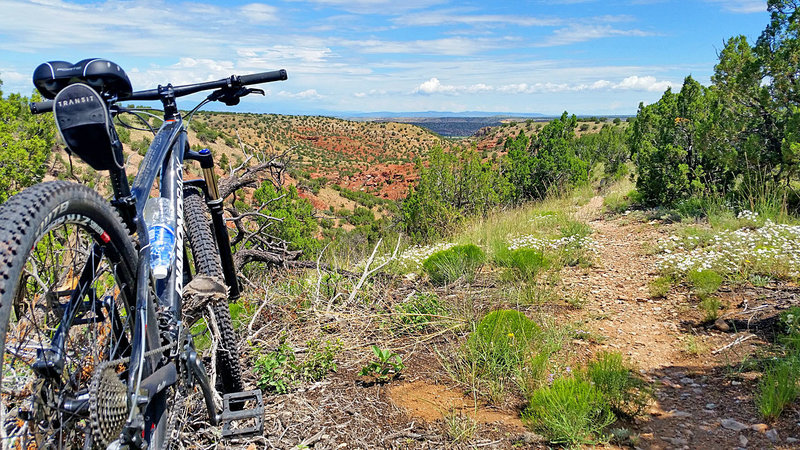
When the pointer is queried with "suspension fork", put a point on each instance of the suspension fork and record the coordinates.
(214, 202)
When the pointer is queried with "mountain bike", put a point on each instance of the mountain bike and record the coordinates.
(97, 350)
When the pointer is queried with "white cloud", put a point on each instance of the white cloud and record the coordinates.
(308, 94)
(646, 83)
(377, 6)
(259, 13)
(742, 6)
(586, 32)
(371, 93)
(434, 86)
(631, 83)
(455, 46)
(444, 17)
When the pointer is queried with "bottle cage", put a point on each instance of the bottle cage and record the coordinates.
(83, 120)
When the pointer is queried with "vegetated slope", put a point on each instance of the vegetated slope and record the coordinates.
(373, 158)
(362, 156)
(491, 139)
(451, 126)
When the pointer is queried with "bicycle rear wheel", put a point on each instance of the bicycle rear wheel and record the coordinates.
(207, 262)
(63, 246)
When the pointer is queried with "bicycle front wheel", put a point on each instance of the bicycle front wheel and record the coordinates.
(66, 318)
(207, 262)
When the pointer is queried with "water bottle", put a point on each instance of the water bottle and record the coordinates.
(160, 219)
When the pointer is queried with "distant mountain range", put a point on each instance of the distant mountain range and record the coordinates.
(433, 114)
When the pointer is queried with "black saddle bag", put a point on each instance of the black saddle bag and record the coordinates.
(85, 125)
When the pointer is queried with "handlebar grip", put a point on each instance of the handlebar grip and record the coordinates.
(41, 107)
(263, 77)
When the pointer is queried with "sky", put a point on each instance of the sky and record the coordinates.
(344, 56)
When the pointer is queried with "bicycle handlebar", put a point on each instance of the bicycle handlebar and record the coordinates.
(243, 80)
(41, 107)
(187, 89)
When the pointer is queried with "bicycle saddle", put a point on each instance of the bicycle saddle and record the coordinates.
(102, 75)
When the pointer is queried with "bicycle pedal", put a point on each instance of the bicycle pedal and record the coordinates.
(243, 414)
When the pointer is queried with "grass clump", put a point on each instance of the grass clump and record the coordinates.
(461, 427)
(626, 392)
(524, 264)
(499, 354)
(710, 307)
(575, 409)
(460, 261)
(660, 286)
(704, 282)
(419, 312)
(572, 411)
(778, 387)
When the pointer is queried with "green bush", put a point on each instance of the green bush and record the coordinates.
(141, 146)
(660, 286)
(524, 263)
(454, 263)
(506, 328)
(454, 186)
(626, 392)
(710, 307)
(704, 282)
(26, 141)
(547, 162)
(298, 225)
(273, 369)
(500, 353)
(572, 411)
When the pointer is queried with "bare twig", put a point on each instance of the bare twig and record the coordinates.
(738, 341)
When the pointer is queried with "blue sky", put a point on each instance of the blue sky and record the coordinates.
(583, 56)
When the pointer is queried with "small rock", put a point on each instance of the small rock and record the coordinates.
(677, 441)
(760, 427)
(687, 380)
(742, 440)
(733, 424)
(772, 435)
(711, 405)
(721, 325)
(791, 440)
(679, 414)
(735, 383)
(530, 438)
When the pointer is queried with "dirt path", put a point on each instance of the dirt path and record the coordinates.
(703, 401)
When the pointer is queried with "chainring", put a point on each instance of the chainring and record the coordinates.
(108, 405)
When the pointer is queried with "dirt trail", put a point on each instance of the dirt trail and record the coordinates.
(702, 400)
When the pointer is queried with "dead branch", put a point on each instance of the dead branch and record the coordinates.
(368, 271)
(252, 176)
(248, 255)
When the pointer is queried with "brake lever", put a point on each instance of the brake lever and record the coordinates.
(230, 96)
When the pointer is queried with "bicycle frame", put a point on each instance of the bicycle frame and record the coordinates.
(163, 160)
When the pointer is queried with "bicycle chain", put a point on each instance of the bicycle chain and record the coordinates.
(108, 399)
